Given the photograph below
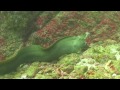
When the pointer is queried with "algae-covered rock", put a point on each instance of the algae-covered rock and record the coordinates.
(97, 74)
(7, 76)
(80, 69)
(70, 59)
(32, 70)
(78, 72)
(46, 71)
(113, 67)
(89, 62)
(109, 41)
(68, 68)
(51, 75)
(66, 63)
(116, 77)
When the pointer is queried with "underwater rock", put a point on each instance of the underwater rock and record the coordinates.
(32, 70)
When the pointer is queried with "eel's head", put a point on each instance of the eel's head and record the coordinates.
(84, 36)
(82, 41)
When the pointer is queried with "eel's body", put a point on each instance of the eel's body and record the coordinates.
(33, 53)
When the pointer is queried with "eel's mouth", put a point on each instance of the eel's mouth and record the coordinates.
(87, 39)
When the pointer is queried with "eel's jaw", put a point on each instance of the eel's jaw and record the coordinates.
(87, 34)
(84, 36)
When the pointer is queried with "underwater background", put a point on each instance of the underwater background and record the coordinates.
(20, 29)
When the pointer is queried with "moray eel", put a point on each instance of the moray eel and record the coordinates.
(67, 45)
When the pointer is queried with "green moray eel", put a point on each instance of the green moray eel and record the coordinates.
(67, 45)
